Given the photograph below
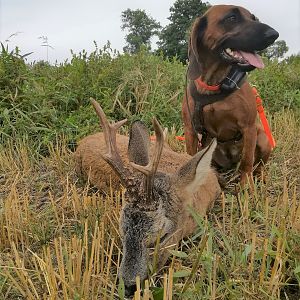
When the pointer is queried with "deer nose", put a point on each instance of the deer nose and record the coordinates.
(271, 34)
(129, 290)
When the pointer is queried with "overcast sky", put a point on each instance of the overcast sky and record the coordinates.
(72, 24)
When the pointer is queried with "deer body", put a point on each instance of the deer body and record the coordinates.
(89, 163)
(160, 190)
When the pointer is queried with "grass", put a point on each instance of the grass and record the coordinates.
(59, 238)
(40, 102)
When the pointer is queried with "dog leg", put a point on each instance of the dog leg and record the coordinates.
(262, 152)
(247, 160)
(191, 140)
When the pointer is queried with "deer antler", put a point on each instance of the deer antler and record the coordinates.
(112, 157)
(150, 170)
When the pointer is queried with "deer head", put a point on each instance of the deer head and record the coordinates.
(156, 209)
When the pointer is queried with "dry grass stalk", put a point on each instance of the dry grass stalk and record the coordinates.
(59, 239)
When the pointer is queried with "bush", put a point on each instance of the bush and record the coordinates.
(279, 84)
(40, 102)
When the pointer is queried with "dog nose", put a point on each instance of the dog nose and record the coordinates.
(129, 290)
(271, 34)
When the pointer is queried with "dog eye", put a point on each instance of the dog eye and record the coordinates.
(231, 18)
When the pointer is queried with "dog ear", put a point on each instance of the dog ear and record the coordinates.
(196, 37)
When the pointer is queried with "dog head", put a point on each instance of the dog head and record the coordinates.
(230, 35)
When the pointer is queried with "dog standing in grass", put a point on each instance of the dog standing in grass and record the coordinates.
(219, 101)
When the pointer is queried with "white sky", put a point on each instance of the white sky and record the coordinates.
(73, 24)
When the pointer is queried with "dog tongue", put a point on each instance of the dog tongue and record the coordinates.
(253, 59)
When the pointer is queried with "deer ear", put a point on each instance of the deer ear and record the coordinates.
(139, 143)
(197, 33)
(195, 171)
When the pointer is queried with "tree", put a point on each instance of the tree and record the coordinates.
(174, 37)
(276, 51)
(141, 28)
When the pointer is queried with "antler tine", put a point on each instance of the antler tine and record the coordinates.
(165, 133)
(110, 130)
(150, 170)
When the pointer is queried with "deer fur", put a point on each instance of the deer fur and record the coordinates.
(160, 190)
(101, 174)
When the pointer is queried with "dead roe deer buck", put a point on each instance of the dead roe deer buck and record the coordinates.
(159, 189)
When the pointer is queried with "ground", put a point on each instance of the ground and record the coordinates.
(59, 237)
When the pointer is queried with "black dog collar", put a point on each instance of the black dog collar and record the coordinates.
(233, 80)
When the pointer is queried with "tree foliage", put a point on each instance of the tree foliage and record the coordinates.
(141, 28)
(277, 50)
(174, 37)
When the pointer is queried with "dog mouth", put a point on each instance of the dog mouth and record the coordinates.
(242, 58)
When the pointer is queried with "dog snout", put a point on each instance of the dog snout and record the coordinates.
(271, 35)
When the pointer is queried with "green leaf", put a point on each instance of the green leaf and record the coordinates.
(121, 289)
(246, 252)
(181, 273)
(297, 270)
(158, 293)
(197, 217)
(179, 254)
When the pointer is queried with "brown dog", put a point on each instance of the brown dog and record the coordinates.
(219, 101)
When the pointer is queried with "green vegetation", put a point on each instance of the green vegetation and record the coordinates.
(277, 50)
(59, 238)
(173, 39)
(40, 102)
(141, 28)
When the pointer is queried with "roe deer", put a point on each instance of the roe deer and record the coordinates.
(159, 189)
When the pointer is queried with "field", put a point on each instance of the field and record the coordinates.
(59, 237)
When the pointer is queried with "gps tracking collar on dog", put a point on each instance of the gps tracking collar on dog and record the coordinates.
(233, 80)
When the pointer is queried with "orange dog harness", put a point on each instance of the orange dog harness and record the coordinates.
(263, 118)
